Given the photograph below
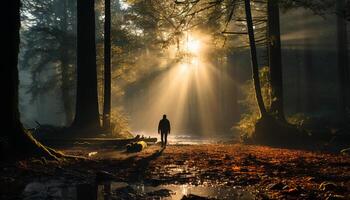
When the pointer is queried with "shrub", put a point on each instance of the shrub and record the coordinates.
(120, 124)
(246, 125)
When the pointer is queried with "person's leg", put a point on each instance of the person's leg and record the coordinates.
(165, 139)
(162, 134)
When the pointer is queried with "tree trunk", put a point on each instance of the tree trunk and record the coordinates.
(298, 75)
(254, 60)
(65, 86)
(86, 114)
(342, 60)
(107, 67)
(275, 59)
(14, 140)
(309, 79)
(65, 89)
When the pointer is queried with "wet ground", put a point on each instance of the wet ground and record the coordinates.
(213, 171)
(57, 189)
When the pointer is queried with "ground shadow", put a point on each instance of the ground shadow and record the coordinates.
(139, 166)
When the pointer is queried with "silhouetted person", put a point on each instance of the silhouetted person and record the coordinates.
(164, 129)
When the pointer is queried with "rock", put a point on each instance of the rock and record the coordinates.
(277, 186)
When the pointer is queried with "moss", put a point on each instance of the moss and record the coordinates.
(136, 146)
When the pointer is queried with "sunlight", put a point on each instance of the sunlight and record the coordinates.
(194, 50)
(186, 91)
(190, 65)
(184, 67)
(193, 45)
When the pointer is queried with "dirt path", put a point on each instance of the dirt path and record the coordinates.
(276, 173)
(270, 173)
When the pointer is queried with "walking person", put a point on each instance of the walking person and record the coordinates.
(164, 130)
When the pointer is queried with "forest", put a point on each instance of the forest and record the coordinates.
(175, 99)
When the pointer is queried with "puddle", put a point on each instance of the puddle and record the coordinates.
(53, 189)
(178, 191)
(121, 190)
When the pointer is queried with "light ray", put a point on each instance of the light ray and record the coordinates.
(186, 91)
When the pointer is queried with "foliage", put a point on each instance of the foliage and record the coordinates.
(48, 40)
(246, 125)
(140, 35)
(120, 124)
(318, 7)
(48, 50)
(299, 119)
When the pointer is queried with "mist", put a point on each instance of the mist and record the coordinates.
(198, 81)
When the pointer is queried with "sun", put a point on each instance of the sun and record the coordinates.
(193, 45)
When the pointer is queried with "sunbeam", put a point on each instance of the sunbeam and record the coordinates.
(186, 91)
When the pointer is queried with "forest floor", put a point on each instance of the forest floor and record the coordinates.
(217, 171)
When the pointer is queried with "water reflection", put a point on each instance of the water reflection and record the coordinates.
(53, 189)
(121, 190)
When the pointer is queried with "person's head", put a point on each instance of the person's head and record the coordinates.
(164, 116)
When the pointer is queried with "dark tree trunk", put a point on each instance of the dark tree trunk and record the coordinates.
(65, 75)
(343, 71)
(298, 75)
(86, 114)
(309, 79)
(254, 60)
(275, 59)
(65, 89)
(107, 67)
(14, 141)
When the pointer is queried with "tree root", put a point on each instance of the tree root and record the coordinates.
(23, 145)
(271, 131)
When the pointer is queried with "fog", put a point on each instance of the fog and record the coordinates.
(202, 94)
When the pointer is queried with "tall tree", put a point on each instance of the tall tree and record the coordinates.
(254, 60)
(347, 11)
(309, 77)
(275, 58)
(49, 44)
(19, 142)
(107, 66)
(86, 114)
(65, 69)
(342, 45)
(298, 74)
